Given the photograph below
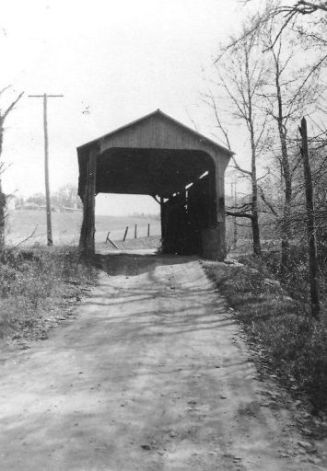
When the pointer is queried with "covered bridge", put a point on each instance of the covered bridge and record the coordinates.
(182, 169)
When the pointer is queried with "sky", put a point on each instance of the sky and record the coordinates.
(114, 61)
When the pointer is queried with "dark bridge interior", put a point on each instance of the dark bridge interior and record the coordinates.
(148, 171)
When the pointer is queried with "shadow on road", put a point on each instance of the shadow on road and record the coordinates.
(135, 264)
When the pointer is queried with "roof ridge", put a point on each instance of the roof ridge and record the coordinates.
(158, 111)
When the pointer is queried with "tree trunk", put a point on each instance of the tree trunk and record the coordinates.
(256, 234)
(311, 226)
(2, 197)
(287, 210)
(286, 232)
(2, 217)
(255, 212)
(254, 183)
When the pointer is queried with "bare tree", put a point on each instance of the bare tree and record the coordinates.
(289, 15)
(3, 115)
(290, 92)
(241, 73)
(281, 120)
(66, 196)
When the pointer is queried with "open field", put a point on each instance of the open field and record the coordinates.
(66, 227)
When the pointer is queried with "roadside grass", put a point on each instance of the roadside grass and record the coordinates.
(37, 289)
(287, 341)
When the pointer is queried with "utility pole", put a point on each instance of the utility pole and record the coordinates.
(312, 244)
(235, 220)
(45, 97)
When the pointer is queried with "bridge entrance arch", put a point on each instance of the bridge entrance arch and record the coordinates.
(158, 156)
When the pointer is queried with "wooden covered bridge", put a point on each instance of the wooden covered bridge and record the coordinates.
(158, 156)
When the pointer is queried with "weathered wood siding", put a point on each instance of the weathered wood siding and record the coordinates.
(159, 132)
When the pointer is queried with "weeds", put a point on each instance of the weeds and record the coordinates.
(36, 285)
(292, 344)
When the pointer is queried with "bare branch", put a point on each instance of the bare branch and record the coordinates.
(240, 208)
(311, 72)
(27, 238)
(239, 214)
(190, 117)
(4, 89)
(287, 13)
(264, 176)
(240, 169)
(213, 104)
(11, 106)
(267, 203)
(222, 128)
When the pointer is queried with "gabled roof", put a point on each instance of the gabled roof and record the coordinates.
(160, 113)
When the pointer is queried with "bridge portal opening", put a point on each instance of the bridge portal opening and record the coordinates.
(180, 169)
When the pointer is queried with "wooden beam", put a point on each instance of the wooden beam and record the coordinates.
(87, 245)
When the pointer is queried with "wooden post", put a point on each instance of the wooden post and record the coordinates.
(46, 171)
(108, 238)
(163, 225)
(45, 97)
(312, 246)
(148, 230)
(135, 231)
(125, 234)
(111, 242)
(87, 245)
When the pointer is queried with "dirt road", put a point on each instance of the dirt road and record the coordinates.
(151, 375)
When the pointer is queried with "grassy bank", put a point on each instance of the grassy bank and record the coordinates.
(287, 341)
(37, 289)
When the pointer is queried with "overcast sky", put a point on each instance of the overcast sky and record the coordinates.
(114, 61)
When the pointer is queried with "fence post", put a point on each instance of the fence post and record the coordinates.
(125, 234)
(148, 230)
(135, 231)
